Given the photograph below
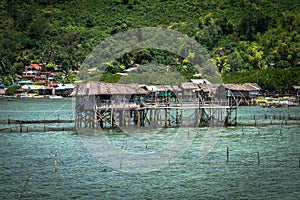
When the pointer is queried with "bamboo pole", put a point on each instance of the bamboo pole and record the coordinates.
(139, 118)
(21, 127)
(227, 153)
(24, 188)
(111, 118)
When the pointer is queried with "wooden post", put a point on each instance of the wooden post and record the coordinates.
(143, 117)
(150, 117)
(121, 120)
(166, 118)
(243, 129)
(111, 118)
(44, 123)
(159, 117)
(210, 118)
(20, 127)
(286, 122)
(227, 153)
(55, 165)
(270, 120)
(154, 118)
(24, 188)
(8, 119)
(139, 118)
(176, 117)
(258, 158)
(181, 117)
(235, 118)
(124, 114)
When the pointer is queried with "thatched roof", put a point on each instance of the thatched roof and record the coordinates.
(211, 88)
(101, 88)
(188, 85)
(243, 87)
(164, 88)
(176, 89)
(296, 87)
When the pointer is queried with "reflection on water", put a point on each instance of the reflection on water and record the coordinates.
(30, 156)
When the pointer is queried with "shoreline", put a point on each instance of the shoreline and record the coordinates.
(22, 97)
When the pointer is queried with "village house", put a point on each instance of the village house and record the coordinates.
(242, 94)
(207, 92)
(31, 71)
(101, 94)
(34, 72)
(47, 90)
(63, 90)
(97, 102)
(188, 93)
(160, 94)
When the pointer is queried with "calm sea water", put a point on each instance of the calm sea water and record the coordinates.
(27, 161)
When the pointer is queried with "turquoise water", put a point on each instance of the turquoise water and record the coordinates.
(27, 161)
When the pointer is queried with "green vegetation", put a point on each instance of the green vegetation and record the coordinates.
(271, 79)
(11, 90)
(245, 38)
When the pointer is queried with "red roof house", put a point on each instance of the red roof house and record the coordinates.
(33, 67)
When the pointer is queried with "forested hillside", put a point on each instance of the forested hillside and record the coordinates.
(249, 40)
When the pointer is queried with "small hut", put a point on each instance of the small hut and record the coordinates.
(188, 91)
(64, 89)
(96, 102)
(100, 94)
(212, 93)
(242, 93)
(160, 94)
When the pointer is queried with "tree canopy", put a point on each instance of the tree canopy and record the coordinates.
(242, 37)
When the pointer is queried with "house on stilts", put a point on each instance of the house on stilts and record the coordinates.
(242, 94)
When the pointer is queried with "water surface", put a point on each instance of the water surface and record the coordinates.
(29, 157)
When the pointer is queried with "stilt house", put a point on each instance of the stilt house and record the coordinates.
(242, 93)
(93, 95)
(188, 91)
(94, 99)
(214, 93)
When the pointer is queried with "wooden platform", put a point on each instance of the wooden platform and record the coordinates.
(157, 115)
